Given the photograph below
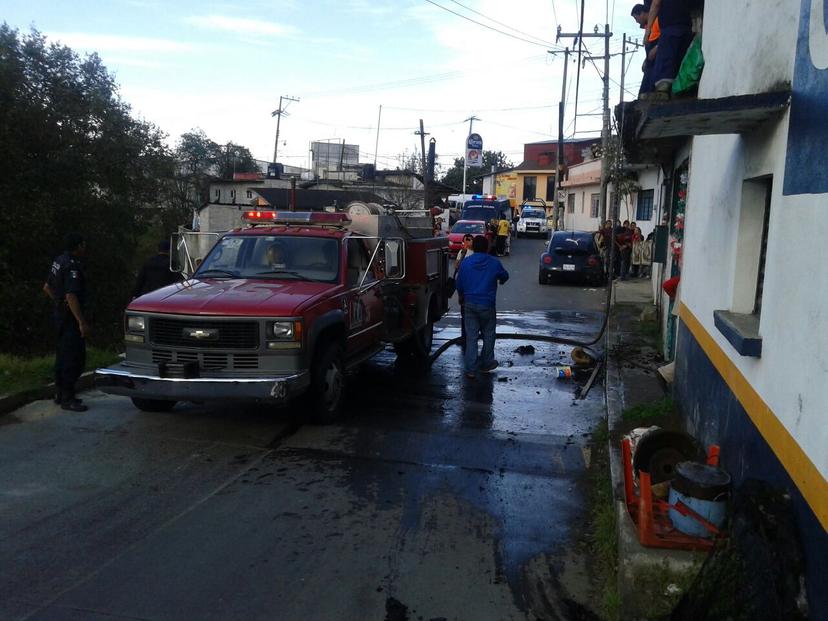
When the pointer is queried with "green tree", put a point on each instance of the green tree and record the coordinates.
(74, 159)
(234, 158)
(454, 175)
(199, 162)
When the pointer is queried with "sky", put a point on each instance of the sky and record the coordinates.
(221, 67)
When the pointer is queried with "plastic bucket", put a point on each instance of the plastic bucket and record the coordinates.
(704, 489)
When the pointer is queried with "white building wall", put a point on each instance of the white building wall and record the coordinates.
(649, 179)
(756, 57)
(792, 374)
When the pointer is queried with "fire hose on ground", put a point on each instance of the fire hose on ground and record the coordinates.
(558, 340)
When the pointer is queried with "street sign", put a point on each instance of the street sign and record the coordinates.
(561, 196)
(474, 150)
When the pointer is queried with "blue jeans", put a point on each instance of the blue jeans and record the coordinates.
(672, 44)
(480, 320)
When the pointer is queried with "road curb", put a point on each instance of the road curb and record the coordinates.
(15, 400)
(633, 558)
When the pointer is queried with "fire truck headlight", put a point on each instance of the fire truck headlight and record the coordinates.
(136, 323)
(282, 329)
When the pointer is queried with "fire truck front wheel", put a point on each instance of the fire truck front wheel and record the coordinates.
(153, 405)
(418, 345)
(327, 390)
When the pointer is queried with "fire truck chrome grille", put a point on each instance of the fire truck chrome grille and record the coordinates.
(204, 334)
(207, 360)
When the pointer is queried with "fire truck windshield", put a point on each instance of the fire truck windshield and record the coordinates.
(271, 257)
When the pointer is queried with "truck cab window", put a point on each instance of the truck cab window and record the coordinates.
(358, 260)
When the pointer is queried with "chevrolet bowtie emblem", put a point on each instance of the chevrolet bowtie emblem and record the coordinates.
(201, 334)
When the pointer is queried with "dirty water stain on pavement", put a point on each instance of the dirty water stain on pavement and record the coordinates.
(503, 459)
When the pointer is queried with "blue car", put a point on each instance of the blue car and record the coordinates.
(571, 254)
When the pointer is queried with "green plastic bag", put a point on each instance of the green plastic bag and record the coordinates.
(689, 73)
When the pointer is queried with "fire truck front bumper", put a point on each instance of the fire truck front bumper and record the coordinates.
(129, 381)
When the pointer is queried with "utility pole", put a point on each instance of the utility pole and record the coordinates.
(559, 204)
(605, 131)
(278, 114)
(471, 121)
(376, 143)
(422, 134)
(636, 45)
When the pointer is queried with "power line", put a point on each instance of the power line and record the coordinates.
(473, 21)
(491, 19)
(515, 108)
(406, 82)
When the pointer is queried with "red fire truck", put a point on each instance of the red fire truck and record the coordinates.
(283, 309)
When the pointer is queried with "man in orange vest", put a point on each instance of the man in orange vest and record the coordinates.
(641, 14)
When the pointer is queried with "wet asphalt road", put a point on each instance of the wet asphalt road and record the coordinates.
(435, 498)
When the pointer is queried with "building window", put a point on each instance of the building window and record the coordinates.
(217, 194)
(530, 188)
(763, 250)
(232, 194)
(594, 200)
(250, 194)
(644, 209)
(550, 189)
(570, 203)
(740, 325)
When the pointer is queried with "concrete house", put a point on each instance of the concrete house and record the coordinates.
(748, 219)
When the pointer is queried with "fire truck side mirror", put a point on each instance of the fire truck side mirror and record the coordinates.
(394, 255)
(176, 250)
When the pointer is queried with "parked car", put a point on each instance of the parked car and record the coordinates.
(532, 222)
(461, 228)
(571, 254)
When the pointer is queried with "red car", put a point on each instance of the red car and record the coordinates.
(461, 228)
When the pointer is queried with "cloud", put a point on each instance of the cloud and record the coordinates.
(118, 43)
(242, 26)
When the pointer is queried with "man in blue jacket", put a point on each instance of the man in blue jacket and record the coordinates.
(477, 282)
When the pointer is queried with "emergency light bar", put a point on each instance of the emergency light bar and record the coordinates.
(296, 217)
(484, 197)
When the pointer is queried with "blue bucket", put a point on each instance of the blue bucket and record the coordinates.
(704, 489)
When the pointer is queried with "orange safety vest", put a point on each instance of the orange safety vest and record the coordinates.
(655, 33)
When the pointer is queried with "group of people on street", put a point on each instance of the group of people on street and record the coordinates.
(477, 274)
(632, 253)
(668, 33)
(66, 287)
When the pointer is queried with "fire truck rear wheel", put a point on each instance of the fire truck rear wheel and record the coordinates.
(327, 390)
(153, 405)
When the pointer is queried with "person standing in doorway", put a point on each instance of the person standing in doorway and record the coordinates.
(66, 286)
(477, 282)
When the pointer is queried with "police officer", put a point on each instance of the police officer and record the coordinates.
(66, 286)
(156, 272)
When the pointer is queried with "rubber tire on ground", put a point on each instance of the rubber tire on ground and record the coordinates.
(153, 405)
(418, 345)
(327, 390)
(542, 280)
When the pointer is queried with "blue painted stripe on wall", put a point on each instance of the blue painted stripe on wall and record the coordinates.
(713, 414)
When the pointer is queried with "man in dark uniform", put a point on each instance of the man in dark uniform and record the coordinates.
(66, 286)
(675, 37)
(156, 272)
